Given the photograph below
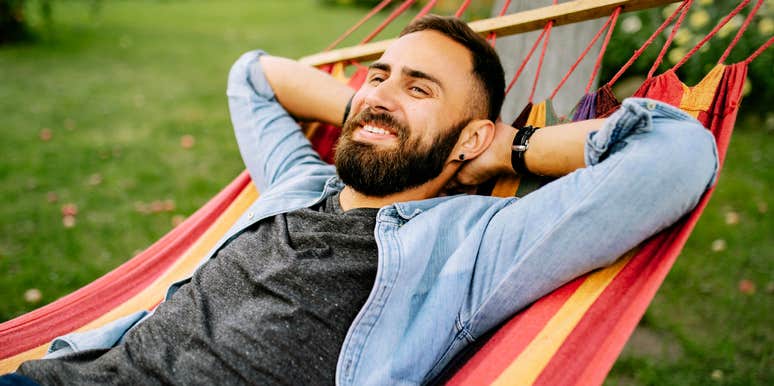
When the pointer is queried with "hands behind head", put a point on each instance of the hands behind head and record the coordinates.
(494, 161)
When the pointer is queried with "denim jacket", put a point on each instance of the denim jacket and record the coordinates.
(452, 268)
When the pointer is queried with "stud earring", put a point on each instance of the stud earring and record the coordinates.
(462, 157)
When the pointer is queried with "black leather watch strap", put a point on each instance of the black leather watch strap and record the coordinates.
(519, 147)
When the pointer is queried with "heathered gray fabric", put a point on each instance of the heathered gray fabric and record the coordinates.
(273, 307)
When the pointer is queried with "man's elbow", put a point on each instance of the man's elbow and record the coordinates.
(687, 162)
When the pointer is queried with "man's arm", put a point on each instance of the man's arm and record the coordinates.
(553, 151)
(266, 96)
(305, 92)
(647, 166)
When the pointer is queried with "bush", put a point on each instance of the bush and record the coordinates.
(633, 29)
(12, 27)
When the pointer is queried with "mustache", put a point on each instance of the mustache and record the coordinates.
(383, 119)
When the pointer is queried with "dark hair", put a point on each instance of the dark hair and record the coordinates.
(486, 64)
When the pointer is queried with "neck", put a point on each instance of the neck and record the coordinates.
(350, 198)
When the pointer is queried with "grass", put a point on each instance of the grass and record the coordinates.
(119, 88)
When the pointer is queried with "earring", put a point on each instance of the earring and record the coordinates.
(462, 157)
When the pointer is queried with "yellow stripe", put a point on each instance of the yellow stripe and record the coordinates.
(525, 369)
(537, 116)
(153, 293)
(699, 97)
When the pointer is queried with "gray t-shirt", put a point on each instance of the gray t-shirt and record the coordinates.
(273, 307)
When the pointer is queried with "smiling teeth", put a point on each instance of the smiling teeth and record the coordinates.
(375, 130)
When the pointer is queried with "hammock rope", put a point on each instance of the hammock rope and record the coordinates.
(759, 50)
(668, 43)
(526, 59)
(584, 53)
(711, 34)
(395, 13)
(426, 9)
(614, 19)
(637, 53)
(739, 33)
(493, 36)
(462, 8)
(357, 25)
(540, 62)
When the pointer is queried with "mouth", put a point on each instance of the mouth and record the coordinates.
(372, 133)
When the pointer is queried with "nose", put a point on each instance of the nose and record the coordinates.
(383, 96)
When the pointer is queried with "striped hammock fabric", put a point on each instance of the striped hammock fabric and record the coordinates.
(570, 337)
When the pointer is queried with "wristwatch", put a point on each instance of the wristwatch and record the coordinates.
(519, 147)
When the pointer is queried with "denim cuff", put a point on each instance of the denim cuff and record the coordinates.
(635, 116)
(631, 118)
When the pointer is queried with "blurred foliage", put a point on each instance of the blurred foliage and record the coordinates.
(476, 9)
(12, 27)
(16, 23)
(634, 28)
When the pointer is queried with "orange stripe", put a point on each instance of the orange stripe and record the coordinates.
(512, 338)
(151, 295)
(528, 366)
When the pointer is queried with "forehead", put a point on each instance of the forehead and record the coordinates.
(433, 53)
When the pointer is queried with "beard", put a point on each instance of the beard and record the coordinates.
(377, 171)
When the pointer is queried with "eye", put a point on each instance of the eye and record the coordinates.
(376, 79)
(418, 90)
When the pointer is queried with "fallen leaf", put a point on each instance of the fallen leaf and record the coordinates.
(69, 209)
(732, 218)
(68, 221)
(717, 374)
(52, 197)
(95, 179)
(69, 124)
(46, 134)
(746, 287)
(169, 205)
(141, 207)
(32, 295)
(187, 141)
(719, 245)
(157, 206)
(177, 219)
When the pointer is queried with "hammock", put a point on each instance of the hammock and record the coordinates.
(571, 336)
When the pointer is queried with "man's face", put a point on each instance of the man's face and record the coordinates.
(407, 116)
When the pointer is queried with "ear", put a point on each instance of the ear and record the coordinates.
(474, 139)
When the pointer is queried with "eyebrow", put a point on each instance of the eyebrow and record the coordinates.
(412, 73)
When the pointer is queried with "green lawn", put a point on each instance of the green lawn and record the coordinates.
(118, 90)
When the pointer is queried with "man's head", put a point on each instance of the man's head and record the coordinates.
(435, 91)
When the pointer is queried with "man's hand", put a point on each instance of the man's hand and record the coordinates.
(494, 161)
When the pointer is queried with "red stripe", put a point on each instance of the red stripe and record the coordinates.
(102, 295)
(512, 338)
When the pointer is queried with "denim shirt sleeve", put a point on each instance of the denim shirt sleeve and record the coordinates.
(270, 141)
(646, 167)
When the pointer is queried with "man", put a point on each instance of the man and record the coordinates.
(373, 277)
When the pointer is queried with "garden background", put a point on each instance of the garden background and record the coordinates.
(115, 127)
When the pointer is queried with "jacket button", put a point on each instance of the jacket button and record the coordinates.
(651, 105)
(250, 215)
